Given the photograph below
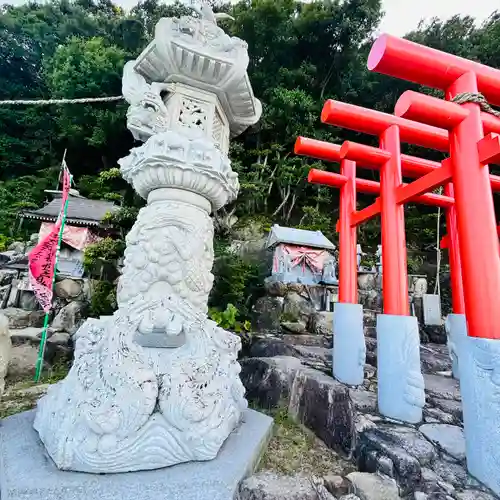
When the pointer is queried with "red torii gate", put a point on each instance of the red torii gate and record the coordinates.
(472, 231)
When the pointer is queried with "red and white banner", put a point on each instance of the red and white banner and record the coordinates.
(305, 256)
(76, 237)
(42, 259)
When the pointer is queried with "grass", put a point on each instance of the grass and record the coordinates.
(22, 395)
(294, 449)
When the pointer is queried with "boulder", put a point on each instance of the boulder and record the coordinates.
(323, 405)
(275, 288)
(23, 361)
(366, 281)
(381, 441)
(449, 438)
(7, 276)
(435, 358)
(270, 486)
(373, 486)
(269, 346)
(364, 401)
(19, 318)
(4, 295)
(68, 289)
(474, 495)
(70, 318)
(296, 308)
(433, 334)
(26, 335)
(269, 381)
(298, 327)
(321, 323)
(306, 340)
(441, 387)
(319, 358)
(17, 247)
(27, 300)
(449, 406)
(267, 314)
(336, 485)
(351, 496)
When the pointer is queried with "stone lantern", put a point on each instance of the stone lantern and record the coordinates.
(157, 384)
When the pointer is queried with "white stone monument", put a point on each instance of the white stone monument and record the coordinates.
(157, 384)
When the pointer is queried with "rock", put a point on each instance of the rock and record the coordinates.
(7, 276)
(27, 301)
(373, 486)
(68, 289)
(306, 340)
(296, 308)
(267, 314)
(449, 406)
(298, 327)
(30, 334)
(336, 485)
(268, 381)
(17, 247)
(270, 486)
(321, 323)
(384, 442)
(5, 351)
(269, 346)
(61, 339)
(433, 333)
(70, 318)
(319, 358)
(452, 473)
(19, 318)
(351, 496)
(4, 295)
(366, 281)
(442, 387)
(474, 495)
(433, 359)
(450, 438)
(365, 401)
(275, 288)
(323, 405)
(435, 415)
(23, 361)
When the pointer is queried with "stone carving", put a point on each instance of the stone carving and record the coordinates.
(147, 114)
(480, 390)
(400, 383)
(329, 272)
(379, 258)
(158, 383)
(349, 348)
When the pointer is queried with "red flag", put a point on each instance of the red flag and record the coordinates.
(42, 259)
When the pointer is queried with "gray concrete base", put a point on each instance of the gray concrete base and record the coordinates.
(401, 390)
(27, 472)
(480, 389)
(349, 348)
(456, 328)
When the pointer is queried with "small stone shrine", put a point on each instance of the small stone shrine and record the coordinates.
(301, 256)
(157, 384)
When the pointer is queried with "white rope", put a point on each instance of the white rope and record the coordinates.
(48, 102)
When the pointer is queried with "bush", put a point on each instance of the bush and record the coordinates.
(103, 301)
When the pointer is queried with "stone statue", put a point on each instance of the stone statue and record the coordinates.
(5, 350)
(157, 383)
(379, 259)
(329, 271)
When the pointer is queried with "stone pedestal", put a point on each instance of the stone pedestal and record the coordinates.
(456, 328)
(28, 474)
(479, 361)
(401, 393)
(349, 349)
(158, 383)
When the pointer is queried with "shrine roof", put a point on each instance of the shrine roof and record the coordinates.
(81, 211)
(301, 237)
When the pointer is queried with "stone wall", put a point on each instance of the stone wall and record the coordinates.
(301, 309)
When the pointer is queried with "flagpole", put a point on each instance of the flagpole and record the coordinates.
(43, 340)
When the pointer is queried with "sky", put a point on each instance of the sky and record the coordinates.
(403, 16)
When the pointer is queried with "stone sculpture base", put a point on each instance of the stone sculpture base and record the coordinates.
(456, 328)
(401, 386)
(349, 348)
(27, 473)
(479, 361)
